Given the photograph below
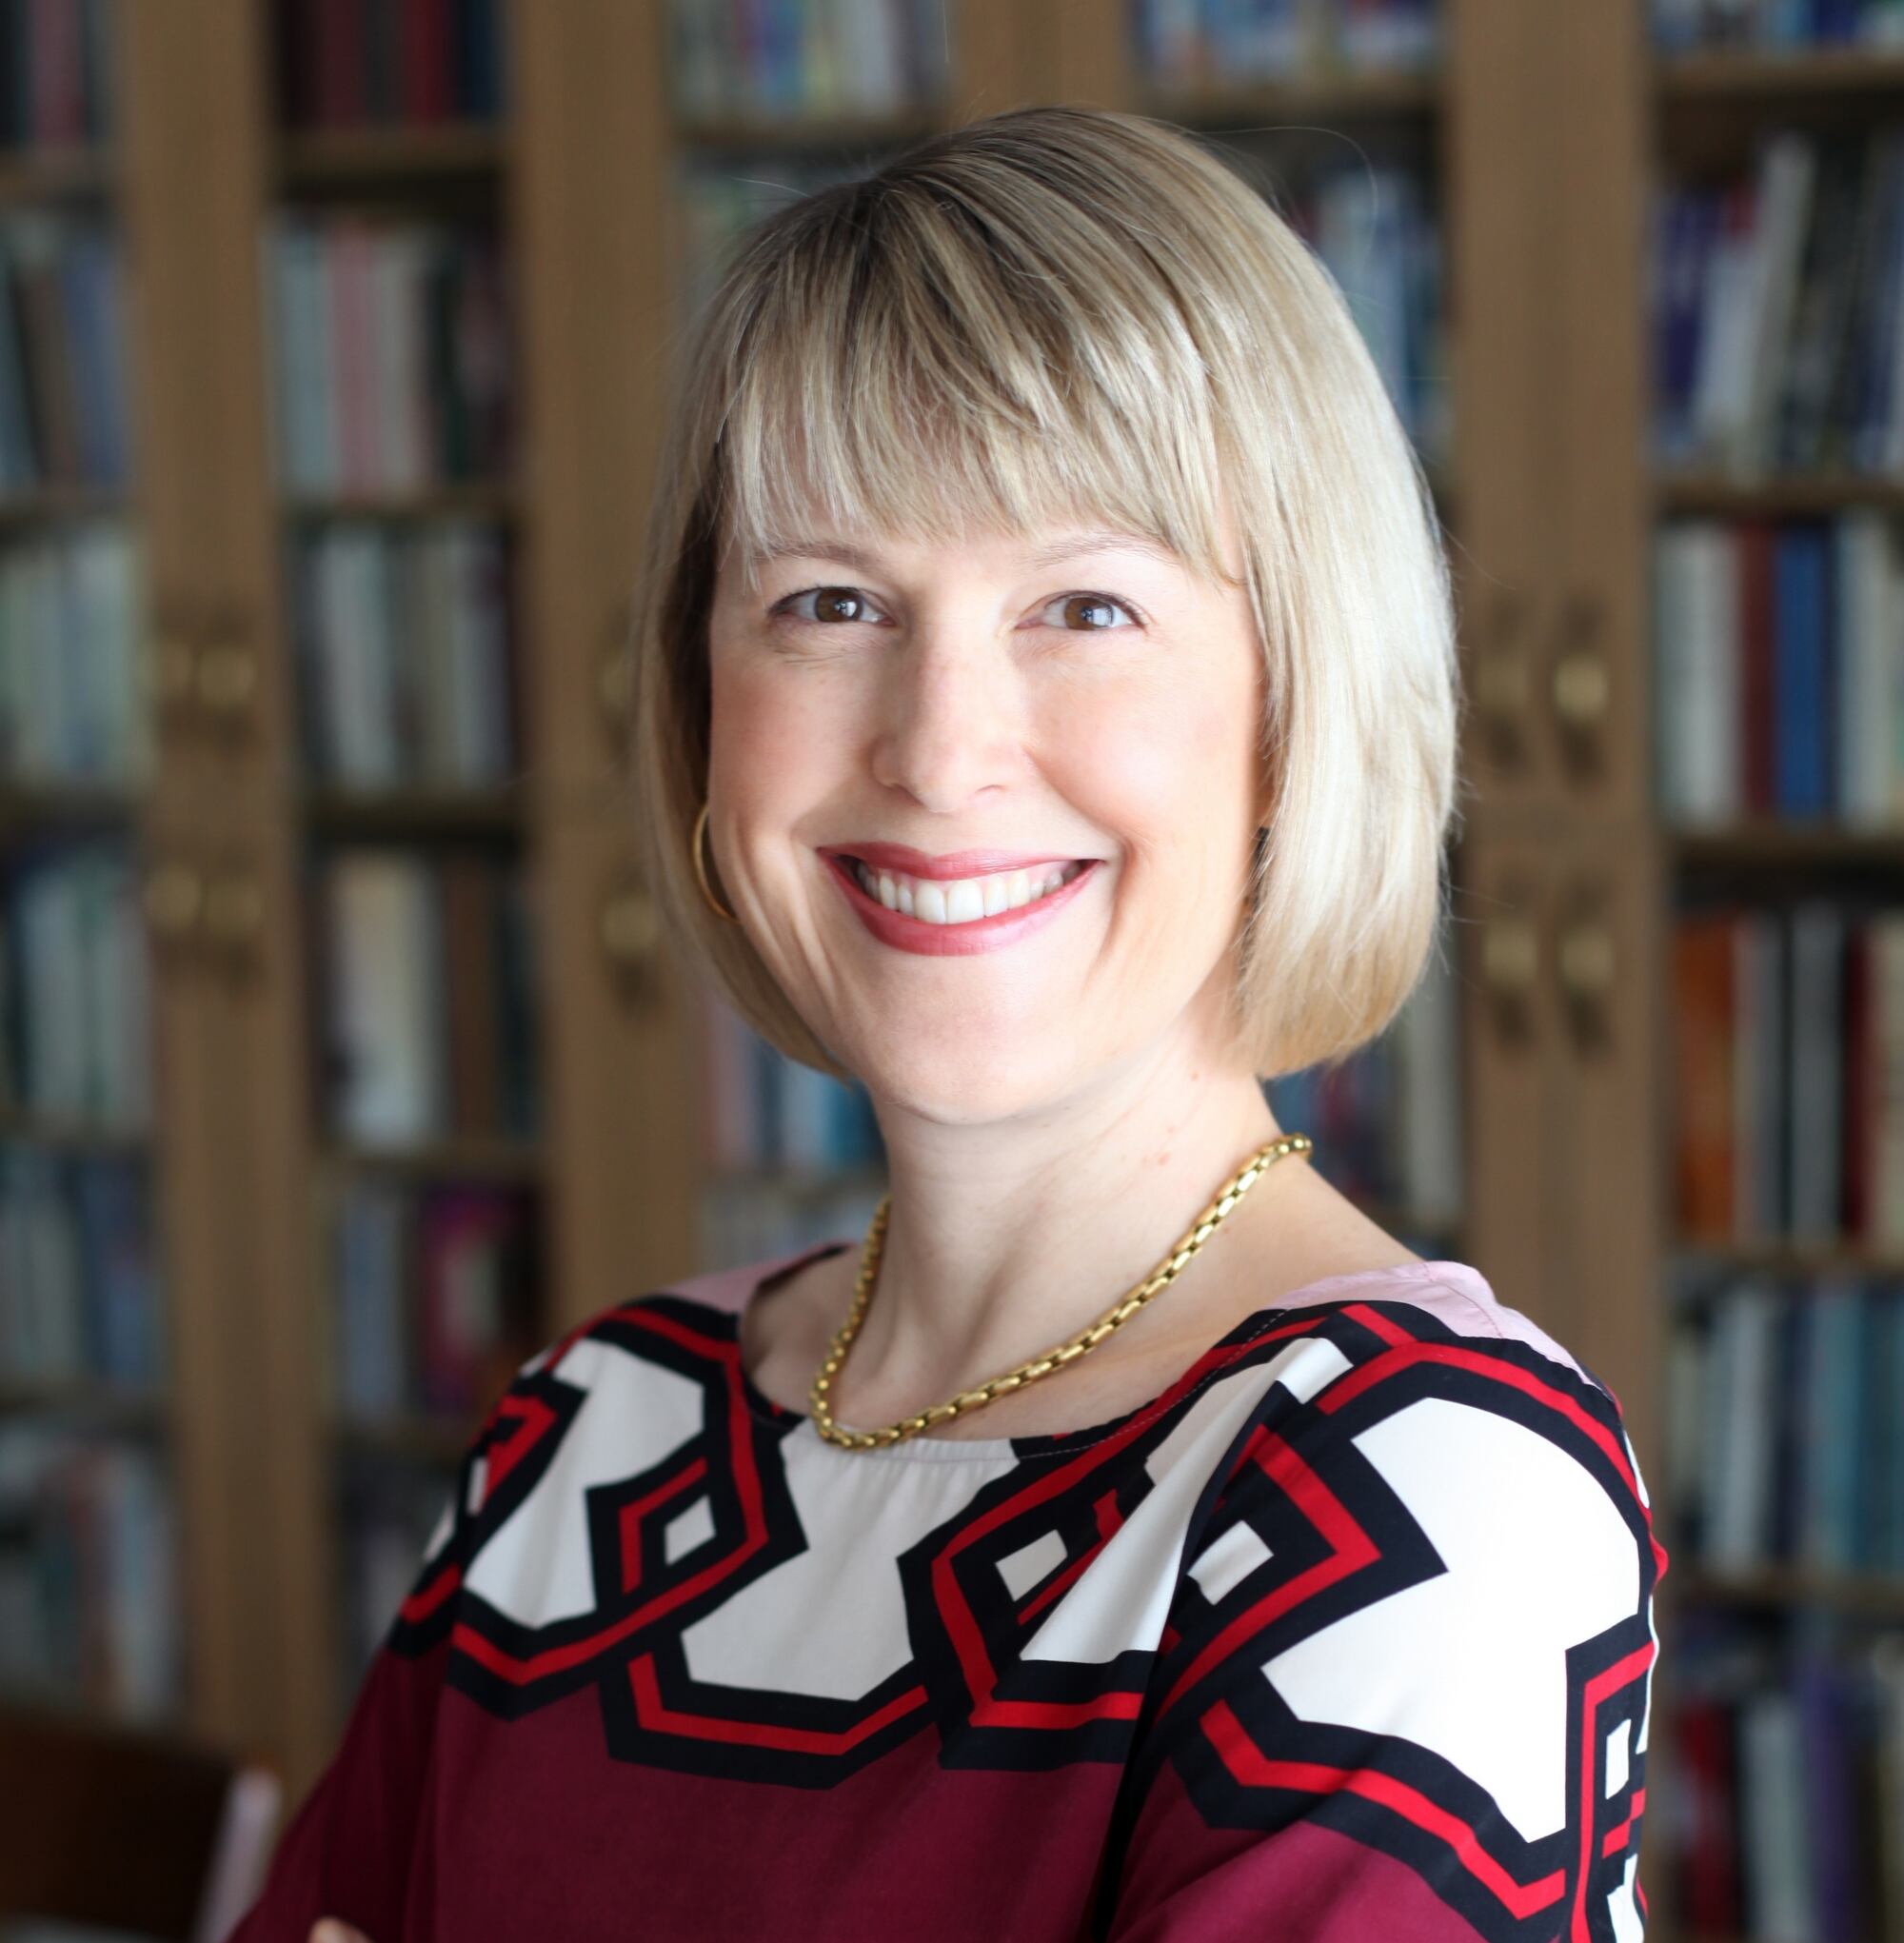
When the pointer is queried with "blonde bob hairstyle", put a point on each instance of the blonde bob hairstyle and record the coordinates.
(1067, 311)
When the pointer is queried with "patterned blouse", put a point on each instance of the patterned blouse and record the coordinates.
(1346, 1638)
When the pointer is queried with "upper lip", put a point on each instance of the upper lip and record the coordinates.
(955, 863)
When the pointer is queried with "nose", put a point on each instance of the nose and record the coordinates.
(951, 722)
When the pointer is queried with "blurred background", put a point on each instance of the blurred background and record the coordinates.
(341, 1064)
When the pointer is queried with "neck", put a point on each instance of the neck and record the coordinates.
(1008, 1236)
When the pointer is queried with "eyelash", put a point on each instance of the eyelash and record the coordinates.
(777, 612)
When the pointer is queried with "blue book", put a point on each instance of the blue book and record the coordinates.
(1803, 677)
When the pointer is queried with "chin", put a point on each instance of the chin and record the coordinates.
(970, 1085)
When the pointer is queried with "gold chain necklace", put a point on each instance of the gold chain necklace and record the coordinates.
(1085, 1340)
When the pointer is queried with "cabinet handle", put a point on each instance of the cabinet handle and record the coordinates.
(1510, 957)
(1582, 679)
(234, 910)
(630, 931)
(227, 680)
(173, 896)
(170, 663)
(1586, 962)
(1503, 679)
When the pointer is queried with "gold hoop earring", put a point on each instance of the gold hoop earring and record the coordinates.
(714, 903)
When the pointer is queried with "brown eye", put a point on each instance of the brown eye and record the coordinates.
(831, 605)
(1087, 613)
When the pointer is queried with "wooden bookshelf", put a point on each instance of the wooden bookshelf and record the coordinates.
(1541, 134)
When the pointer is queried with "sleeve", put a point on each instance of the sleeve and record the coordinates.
(351, 1848)
(1404, 1682)
(347, 1852)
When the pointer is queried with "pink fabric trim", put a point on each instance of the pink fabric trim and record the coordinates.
(1459, 1294)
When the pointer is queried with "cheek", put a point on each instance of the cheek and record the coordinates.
(769, 736)
(1168, 774)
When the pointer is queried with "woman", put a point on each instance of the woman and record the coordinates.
(1048, 716)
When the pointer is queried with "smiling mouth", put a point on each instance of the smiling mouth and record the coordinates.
(964, 899)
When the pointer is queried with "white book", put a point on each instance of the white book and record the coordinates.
(427, 610)
(478, 689)
(58, 682)
(132, 1002)
(399, 261)
(351, 641)
(1698, 701)
(140, 1588)
(1739, 1414)
(307, 455)
(104, 581)
(871, 36)
(53, 987)
(1787, 172)
(53, 1339)
(385, 953)
(1722, 384)
(1871, 663)
(1773, 1841)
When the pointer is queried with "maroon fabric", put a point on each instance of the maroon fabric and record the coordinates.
(1149, 1768)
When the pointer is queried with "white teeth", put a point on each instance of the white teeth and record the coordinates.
(962, 900)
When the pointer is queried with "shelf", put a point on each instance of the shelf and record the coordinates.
(25, 805)
(1732, 72)
(417, 811)
(1774, 496)
(1345, 95)
(470, 1157)
(397, 152)
(77, 1138)
(104, 1406)
(1879, 1594)
(1773, 843)
(745, 135)
(52, 175)
(1783, 1255)
(411, 1436)
(36, 506)
(490, 499)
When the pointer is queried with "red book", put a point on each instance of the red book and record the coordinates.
(351, 246)
(429, 93)
(58, 112)
(1703, 1006)
(1711, 1803)
(343, 62)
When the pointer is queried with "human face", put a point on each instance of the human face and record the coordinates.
(1070, 701)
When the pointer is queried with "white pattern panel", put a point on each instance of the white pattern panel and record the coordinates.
(1023, 1569)
(690, 1528)
(536, 1569)
(831, 1622)
(1122, 1600)
(1471, 1664)
(1228, 1561)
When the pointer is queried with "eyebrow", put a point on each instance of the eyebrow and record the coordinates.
(1072, 546)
